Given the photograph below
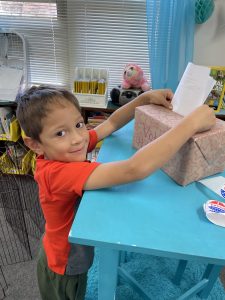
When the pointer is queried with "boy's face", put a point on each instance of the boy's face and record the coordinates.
(64, 136)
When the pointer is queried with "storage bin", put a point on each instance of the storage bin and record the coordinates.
(33, 162)
(90, 86)
(14, 132)
(33, 157)
(8, 167)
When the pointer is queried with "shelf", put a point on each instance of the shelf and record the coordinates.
(109, 109)
(8, 103)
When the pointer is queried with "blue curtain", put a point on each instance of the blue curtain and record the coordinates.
(171, 25)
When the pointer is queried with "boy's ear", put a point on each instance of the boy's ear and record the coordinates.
(33, 145)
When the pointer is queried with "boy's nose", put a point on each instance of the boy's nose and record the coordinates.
(76, 138)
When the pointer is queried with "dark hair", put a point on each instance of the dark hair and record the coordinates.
(34, 104)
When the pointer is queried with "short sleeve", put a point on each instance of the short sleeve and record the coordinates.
(93, 140)
(70, 177)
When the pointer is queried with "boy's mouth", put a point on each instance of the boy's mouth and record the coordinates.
(77, 150)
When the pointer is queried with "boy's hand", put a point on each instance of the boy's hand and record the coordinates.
(125, 113)
(202, 118)
(159, 97)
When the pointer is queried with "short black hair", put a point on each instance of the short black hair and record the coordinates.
(34, 103)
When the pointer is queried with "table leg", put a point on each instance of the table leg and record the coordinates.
(180, 271)
(212, 272)
(108, 264)
(123, 257)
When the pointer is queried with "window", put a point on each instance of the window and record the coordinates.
(108, 34)
(28, 9)
(63, 34)
(45, 34)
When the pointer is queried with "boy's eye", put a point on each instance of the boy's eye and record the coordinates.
(61, 133)
(80, 124)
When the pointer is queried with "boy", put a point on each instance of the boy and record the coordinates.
(55, 130)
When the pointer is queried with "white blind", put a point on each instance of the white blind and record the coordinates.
(108, 34)
(63, 34)
(45, 32)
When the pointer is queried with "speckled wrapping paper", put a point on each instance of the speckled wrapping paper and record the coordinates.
(201, 156)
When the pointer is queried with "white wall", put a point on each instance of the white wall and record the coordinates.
(209, 46)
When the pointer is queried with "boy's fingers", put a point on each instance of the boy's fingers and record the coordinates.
(167, 104)
(169, 94)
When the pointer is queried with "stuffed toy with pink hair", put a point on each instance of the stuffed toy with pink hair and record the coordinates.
(133, 77)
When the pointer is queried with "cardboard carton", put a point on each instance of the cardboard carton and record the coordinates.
(201, 156)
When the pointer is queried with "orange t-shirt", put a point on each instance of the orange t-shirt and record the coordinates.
(60, 188)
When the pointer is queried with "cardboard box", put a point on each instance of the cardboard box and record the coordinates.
(201, 156)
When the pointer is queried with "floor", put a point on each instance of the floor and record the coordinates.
(18, 244)
(21, 226)
(22, 281)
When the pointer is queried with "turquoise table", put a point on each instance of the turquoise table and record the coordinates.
(153, 216)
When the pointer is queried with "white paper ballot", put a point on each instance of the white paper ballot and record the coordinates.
(216, 184)
(193, 89)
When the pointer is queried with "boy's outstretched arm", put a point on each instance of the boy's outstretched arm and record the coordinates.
(126, 113)
(154, 155)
